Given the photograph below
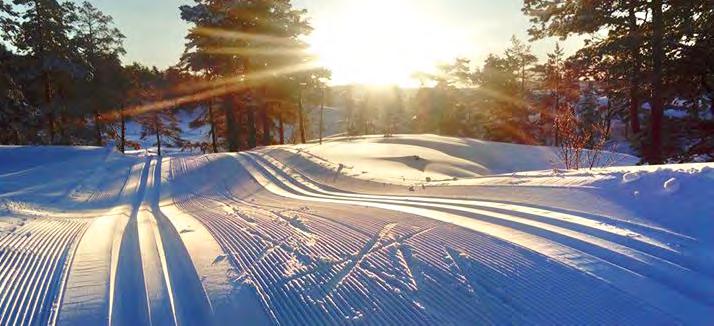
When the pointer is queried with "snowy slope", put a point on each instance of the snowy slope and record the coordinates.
(409, 159)
(276, 236)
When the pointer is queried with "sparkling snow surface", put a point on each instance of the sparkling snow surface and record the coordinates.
(401, 230)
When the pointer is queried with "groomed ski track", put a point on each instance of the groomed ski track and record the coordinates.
(226, 238)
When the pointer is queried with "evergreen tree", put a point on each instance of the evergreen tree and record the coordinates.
(161, 125)
(554, 83)
(497, 83)
(100, 45)
(504, 110)
(235, 43)
(520, 56)
(207, 16)
(18, 120)
(630, 40)
(44, 33)
(209, 117)
(443, 108)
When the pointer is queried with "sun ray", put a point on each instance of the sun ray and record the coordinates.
(273, 51)
(236, 35)
(204, 90)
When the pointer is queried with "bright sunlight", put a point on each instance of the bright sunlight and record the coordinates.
(368, 162)
(382, 42)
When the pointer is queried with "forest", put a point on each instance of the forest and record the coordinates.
(643, 81)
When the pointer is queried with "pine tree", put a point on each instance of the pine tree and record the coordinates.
(208, 116)
(162, 125)
(664, 41)
(443, 108)
(18, 120)
(503, 94)
(522, 59)
(100, 45)
(553, 82)
(43, 33)
(206, 16)
(235, 42)
(497, 84)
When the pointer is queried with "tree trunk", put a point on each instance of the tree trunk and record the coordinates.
(158, 134)
(252, 132)
(264, 117)
(301, 122)
(656, 155)
(523, 78)
(608, 116)
(231, 123)
(212, 121)
(63, 122)
(282, 129)
(635, 73)
(267, 139)
(322, 112)
(122, 145)
(556, 110)
(97, 128)
(48, 105)
(240, 122)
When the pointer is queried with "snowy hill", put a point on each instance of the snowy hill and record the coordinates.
(417, 158)
(300, 235)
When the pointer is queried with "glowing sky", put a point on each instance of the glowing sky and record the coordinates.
(361, 41)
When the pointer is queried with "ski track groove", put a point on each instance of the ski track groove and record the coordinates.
(32, 268)
(598, 225)
(166, 274)
(314, 255)
(644, 263)
(349, 272)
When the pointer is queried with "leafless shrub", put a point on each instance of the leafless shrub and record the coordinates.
(583, 145)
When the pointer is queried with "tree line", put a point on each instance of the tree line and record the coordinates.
(244, 69)
(647, 64)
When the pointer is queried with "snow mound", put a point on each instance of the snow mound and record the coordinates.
(671, 185)
(406, 159)
(630, 177)
(708, 172)
(60, 175)
(666, 195)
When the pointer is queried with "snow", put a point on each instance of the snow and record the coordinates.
(671, 185)
(630, 177)
(406, 159)
(283, 235)
(675, 113)
(133, 131)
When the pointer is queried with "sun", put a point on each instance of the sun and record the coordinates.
(380, 42)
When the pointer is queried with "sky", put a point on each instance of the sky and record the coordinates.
(361, 41)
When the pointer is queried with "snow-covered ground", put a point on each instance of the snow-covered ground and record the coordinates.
(401, 230)
(405, 159)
